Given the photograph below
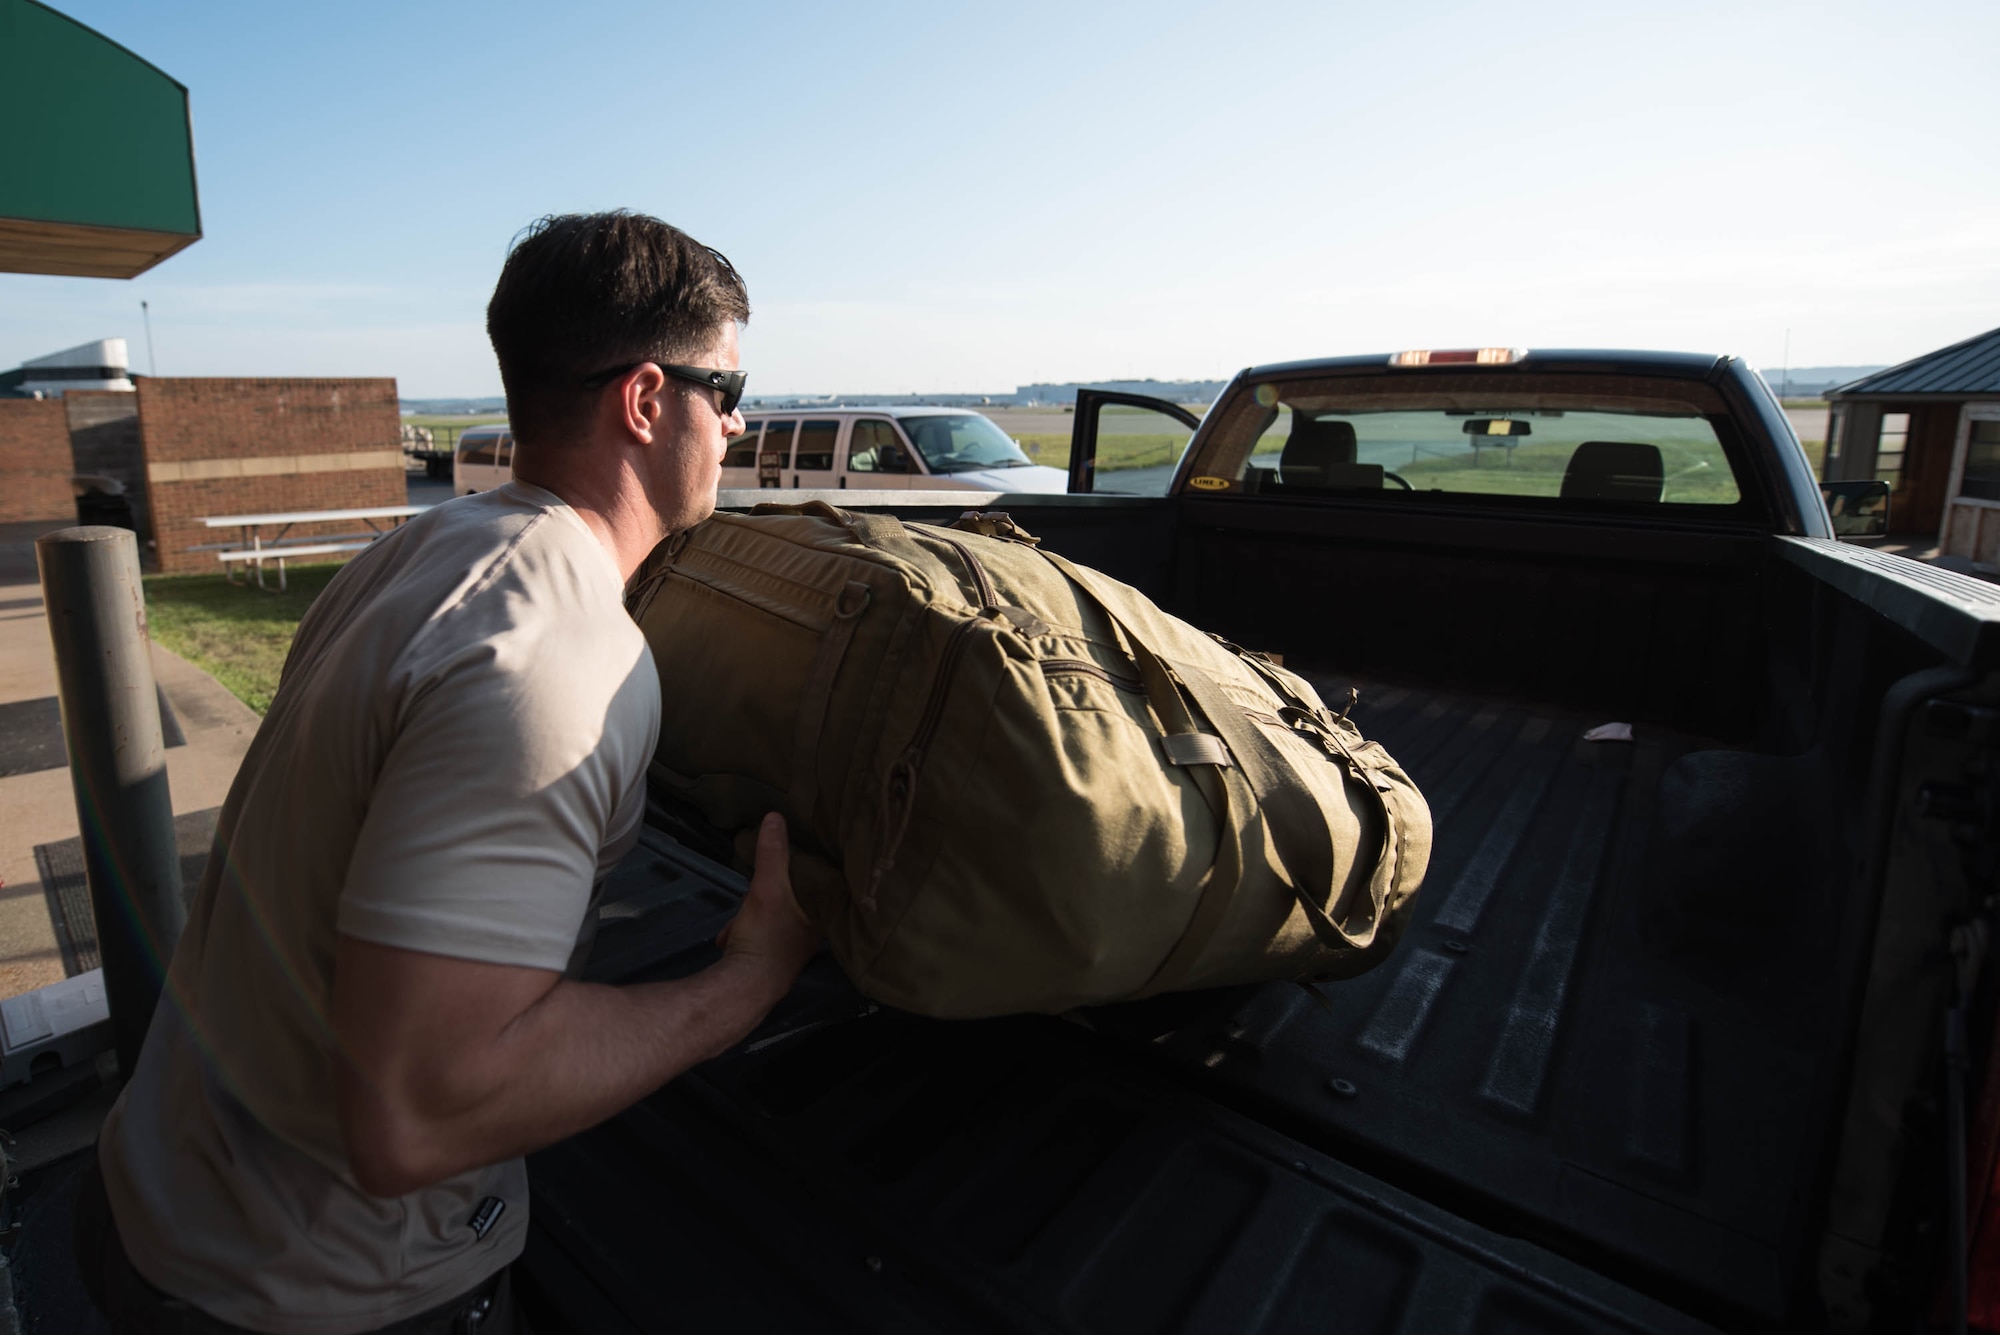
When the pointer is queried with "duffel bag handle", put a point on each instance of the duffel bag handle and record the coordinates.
(871, 529)
(994, 524)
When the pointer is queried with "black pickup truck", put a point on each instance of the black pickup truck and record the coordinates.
(1690, 1030)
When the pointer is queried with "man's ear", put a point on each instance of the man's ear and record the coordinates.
(642, 402)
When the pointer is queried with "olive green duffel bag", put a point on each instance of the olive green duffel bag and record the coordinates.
(1014, 784)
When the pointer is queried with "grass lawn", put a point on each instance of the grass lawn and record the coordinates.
(1539, 470)
(445, 431)
(433, 420)
(239, 636)
(1113, 452)
(1126, 438)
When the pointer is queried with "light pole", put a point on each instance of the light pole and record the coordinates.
(146, 313)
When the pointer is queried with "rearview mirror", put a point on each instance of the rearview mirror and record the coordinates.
(1858, 509)
(1497, 426)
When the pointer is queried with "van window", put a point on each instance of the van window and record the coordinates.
(742, 450)
(816, 447)
(775, 455)
(875, 448)
(960, 442)
(503, 453)
(476, 449)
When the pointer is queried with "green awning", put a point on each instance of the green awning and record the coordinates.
(96, 152)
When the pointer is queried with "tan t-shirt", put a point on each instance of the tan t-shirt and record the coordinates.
(454, 759)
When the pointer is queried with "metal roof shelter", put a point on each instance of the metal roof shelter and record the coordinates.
(1930, 427)
(99, 176)
(1968, 368)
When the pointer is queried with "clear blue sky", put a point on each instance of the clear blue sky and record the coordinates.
(939, 197)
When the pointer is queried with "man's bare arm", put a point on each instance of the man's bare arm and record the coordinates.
(450, 1064)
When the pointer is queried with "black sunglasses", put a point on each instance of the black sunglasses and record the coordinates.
(730, 383)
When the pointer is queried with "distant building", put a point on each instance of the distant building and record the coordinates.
(1024, 396)
(1174, 391)
(1812, 382)
(99, 365)
(1931, 429)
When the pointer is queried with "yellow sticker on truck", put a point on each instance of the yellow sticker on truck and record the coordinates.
(1210, 483)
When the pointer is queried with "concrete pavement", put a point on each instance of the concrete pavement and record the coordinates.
(37, 807)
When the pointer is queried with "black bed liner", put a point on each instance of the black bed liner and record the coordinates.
(1418, 1149)
(1586, 1036)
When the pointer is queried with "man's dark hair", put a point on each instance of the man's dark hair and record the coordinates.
(583, 292)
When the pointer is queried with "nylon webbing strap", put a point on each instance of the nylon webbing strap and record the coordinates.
(1302, 710)
(1382, 880)
(1231, 805)
(1270, 674)
(1218, 788)
(1297, 827)
(1195, 748)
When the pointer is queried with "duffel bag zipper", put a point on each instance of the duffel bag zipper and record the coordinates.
(1064, 667)
(989, 597)
(899, 790)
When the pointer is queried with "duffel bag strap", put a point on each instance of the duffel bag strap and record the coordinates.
(1208, 763)
(1273, 678)
(1298, 828)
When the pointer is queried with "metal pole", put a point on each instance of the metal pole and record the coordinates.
(146, 312)
(118, 765)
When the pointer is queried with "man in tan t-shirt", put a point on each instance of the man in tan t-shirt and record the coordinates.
(368, 1020)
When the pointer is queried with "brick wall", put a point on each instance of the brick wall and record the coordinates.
(34, 462)
(230, 447)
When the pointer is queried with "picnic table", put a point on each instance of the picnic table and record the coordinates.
(261, 538)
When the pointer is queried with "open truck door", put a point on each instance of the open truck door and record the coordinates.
(1136, 441)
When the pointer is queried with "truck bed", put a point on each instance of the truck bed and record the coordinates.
(1571, 1064)
(1586, 1036)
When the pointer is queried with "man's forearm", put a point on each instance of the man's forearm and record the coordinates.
(447, 1064)
(575, 1056)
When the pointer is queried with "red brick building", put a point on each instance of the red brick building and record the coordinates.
(230, 447)
(190, 448)
(35, 464)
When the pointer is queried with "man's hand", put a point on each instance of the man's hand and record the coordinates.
(445, 1064)
(769, 934)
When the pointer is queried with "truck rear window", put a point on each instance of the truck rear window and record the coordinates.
(1586, 440)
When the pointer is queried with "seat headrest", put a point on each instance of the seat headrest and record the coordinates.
(1614, 470)
(1313, 448)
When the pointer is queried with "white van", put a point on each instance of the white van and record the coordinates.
(483, 460)
(899, 449)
